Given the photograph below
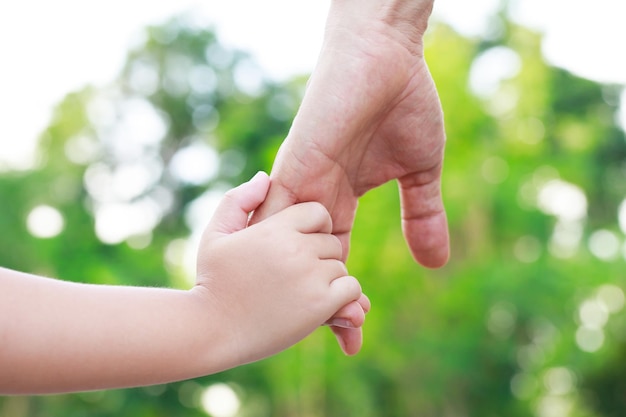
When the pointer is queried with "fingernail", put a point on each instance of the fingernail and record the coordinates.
(257, 175)
(345, 323)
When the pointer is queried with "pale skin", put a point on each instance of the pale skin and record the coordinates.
(259, 290)
(371, 114)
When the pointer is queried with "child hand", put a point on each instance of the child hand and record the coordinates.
(275, 282)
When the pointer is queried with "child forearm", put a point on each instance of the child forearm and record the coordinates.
(59, 336)
(259, 290)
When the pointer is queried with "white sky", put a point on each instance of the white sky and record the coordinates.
(51, 47)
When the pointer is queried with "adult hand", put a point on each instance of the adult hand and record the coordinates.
(371, 114)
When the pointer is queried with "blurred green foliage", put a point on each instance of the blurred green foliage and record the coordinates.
(526, 320)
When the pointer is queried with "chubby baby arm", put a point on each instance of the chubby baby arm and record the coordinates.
(273, 283)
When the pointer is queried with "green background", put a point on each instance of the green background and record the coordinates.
(525, 320)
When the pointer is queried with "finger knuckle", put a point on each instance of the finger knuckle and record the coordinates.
(340, 267)
(353, 287)
(231, 195)
(336, 244)
(318, 211)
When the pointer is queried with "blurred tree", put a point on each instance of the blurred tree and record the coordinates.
(527, 318)
(124, 171)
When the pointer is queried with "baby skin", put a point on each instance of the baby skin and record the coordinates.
(259, 289)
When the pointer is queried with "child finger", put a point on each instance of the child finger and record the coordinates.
(365, 303)
(344, 290)
(328, 246)
(333, 269)
(232, 213)
(310, 217)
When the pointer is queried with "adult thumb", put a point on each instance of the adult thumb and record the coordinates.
(233, 211)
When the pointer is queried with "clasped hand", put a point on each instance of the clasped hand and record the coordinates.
(370, 114)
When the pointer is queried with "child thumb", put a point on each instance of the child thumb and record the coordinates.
(233, 211)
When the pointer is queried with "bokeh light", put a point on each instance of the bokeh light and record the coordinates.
(45, 222)
(524, 385)
(491, 68)
(116, 222)
(559, 381)
(593, 314)
(612, 297)
(195, 164)
(589, 339)
(554, 406)
(563, 200)
(143, 77)
(501, 319)
(220, 400)
(495, 170)
(527, 249)
(604, 244)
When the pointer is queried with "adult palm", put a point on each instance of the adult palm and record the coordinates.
(371, 114)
